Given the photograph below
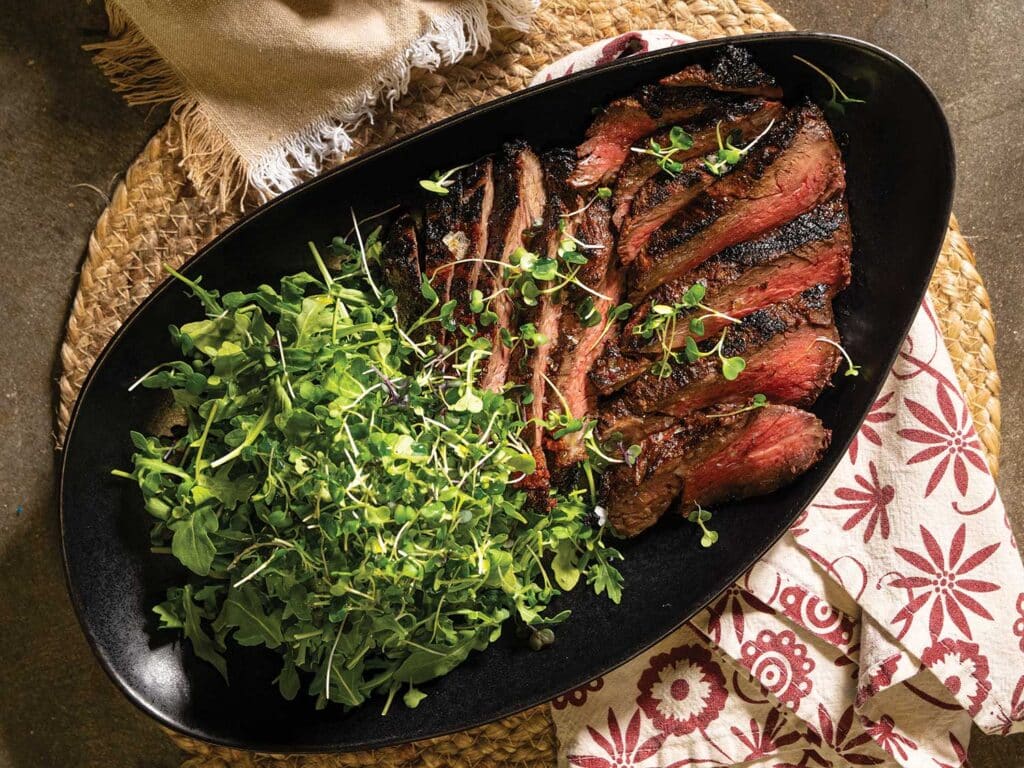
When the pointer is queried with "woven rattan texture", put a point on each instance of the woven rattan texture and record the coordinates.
(156, 218)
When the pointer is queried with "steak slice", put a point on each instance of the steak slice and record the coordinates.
(656, 201)
(614, 369)
(533, 367)
(476, 198)
(813, 249)
(400, 259)
(790, 171)
(784, 361)
(718, 456)
(581, 341)
(749, 117)
(518, 205)
(733, 71)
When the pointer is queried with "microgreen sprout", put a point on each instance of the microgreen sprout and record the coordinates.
(701, 516)
(728, 153)
(601, 193)
(438, 182)
(678, 141)
(661, 323)
(839, 96)
(612, 316)
(758, 401)
(851, 369)
(731, 366)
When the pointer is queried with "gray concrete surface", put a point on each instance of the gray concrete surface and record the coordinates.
(61, 127)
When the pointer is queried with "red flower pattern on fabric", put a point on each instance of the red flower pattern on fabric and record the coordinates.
(875, 416)
(682, 690)
(944, 585)
(884, 734)
(764, 740)
(780, 664)
(839, 736)
(962, 669)
(577, 697)
(871, 501)
(950, 438)
(621, 749)
(733, 600)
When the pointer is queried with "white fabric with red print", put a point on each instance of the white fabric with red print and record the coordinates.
(888, 618)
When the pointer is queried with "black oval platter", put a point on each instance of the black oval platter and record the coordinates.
(900, 168)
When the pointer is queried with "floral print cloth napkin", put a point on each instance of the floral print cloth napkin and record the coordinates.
(888, 618)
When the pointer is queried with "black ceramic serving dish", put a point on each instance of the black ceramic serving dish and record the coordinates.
(899, 162)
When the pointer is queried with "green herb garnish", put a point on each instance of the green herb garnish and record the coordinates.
(347, 496)
(757, 401)
(601, 193)
(838, 97)
(700, 516)
(678, 141)
(729, 154)
(851, 369)
(661, 323)
(438, 182)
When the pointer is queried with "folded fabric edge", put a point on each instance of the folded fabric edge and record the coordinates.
(138, 72)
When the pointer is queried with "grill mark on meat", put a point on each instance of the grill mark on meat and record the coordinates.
(733, 70)
(749, 117)
(795, 167)
(533, 367)
(579, 346)
(783, 361)
(708, 460)
(518, 203)
(400, 259)
(655, 203)
(811, 250)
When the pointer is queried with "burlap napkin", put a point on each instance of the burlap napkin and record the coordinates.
(268, 91)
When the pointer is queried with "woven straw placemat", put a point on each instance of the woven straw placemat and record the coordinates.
(155, 217)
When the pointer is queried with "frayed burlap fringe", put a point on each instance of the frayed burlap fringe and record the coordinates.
(213, 165)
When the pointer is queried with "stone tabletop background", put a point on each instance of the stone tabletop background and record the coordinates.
(65, 137)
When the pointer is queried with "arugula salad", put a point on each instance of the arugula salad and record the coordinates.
(343, 494)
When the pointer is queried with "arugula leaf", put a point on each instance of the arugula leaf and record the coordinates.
(191, 542)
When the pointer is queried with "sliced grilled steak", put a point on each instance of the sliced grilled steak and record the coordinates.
(795, 167)
(783, 361)
(400, 259)
(717, 456)
(518, 203)
(749, 117)
(733, 71)
(580, 340)
(534, 367)
(813, 249)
